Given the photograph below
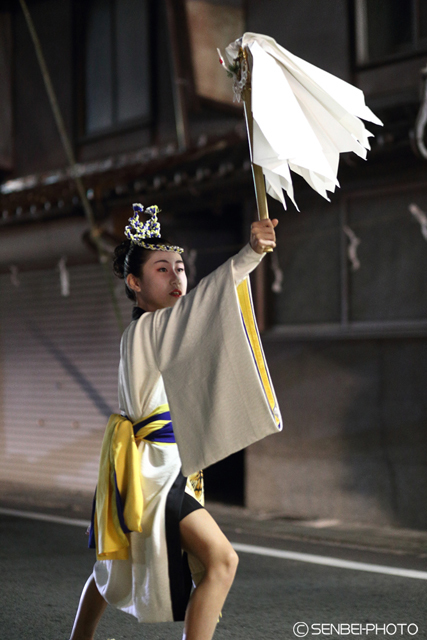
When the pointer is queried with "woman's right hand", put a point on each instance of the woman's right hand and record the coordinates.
(263, 234)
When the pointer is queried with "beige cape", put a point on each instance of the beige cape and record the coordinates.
(208, 352)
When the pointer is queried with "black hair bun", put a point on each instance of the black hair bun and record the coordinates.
(120, 253)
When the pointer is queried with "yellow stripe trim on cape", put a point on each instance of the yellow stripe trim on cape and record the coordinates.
(246, 307)
(120, 462)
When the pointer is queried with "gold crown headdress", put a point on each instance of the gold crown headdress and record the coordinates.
(137, 231)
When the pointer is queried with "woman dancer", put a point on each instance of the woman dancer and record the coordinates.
(149, 524)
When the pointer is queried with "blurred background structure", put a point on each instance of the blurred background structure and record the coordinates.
(342, 303)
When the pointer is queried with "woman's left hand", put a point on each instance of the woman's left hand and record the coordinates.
(263, 234)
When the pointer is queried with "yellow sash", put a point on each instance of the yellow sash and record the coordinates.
(119, 499)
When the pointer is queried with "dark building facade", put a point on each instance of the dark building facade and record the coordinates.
(342, 303)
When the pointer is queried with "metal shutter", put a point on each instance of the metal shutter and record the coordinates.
(58, 376)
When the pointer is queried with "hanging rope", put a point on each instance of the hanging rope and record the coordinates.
(95, 231)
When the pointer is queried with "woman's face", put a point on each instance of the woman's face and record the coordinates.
(162, 283)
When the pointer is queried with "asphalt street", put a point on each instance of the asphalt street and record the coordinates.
(45, 564)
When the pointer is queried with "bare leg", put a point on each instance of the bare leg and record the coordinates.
(201, 536)
(91, 607)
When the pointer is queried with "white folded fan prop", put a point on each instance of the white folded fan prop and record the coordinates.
(298, 117)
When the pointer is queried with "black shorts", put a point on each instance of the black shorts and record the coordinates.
(189, 504)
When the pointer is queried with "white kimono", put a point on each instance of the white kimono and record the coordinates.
(202, 359)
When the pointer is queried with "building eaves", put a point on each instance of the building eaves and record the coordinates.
(127, 176)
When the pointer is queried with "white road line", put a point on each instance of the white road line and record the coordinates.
(249, 548)
(45, 517)
(330, 562)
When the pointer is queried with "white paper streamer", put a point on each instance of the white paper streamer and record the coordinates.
(421, 217)
(64, 277)
(14, 275)
(191, 257)
(352, 248)
(421, 120)
(303, 116)
(276, 287)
